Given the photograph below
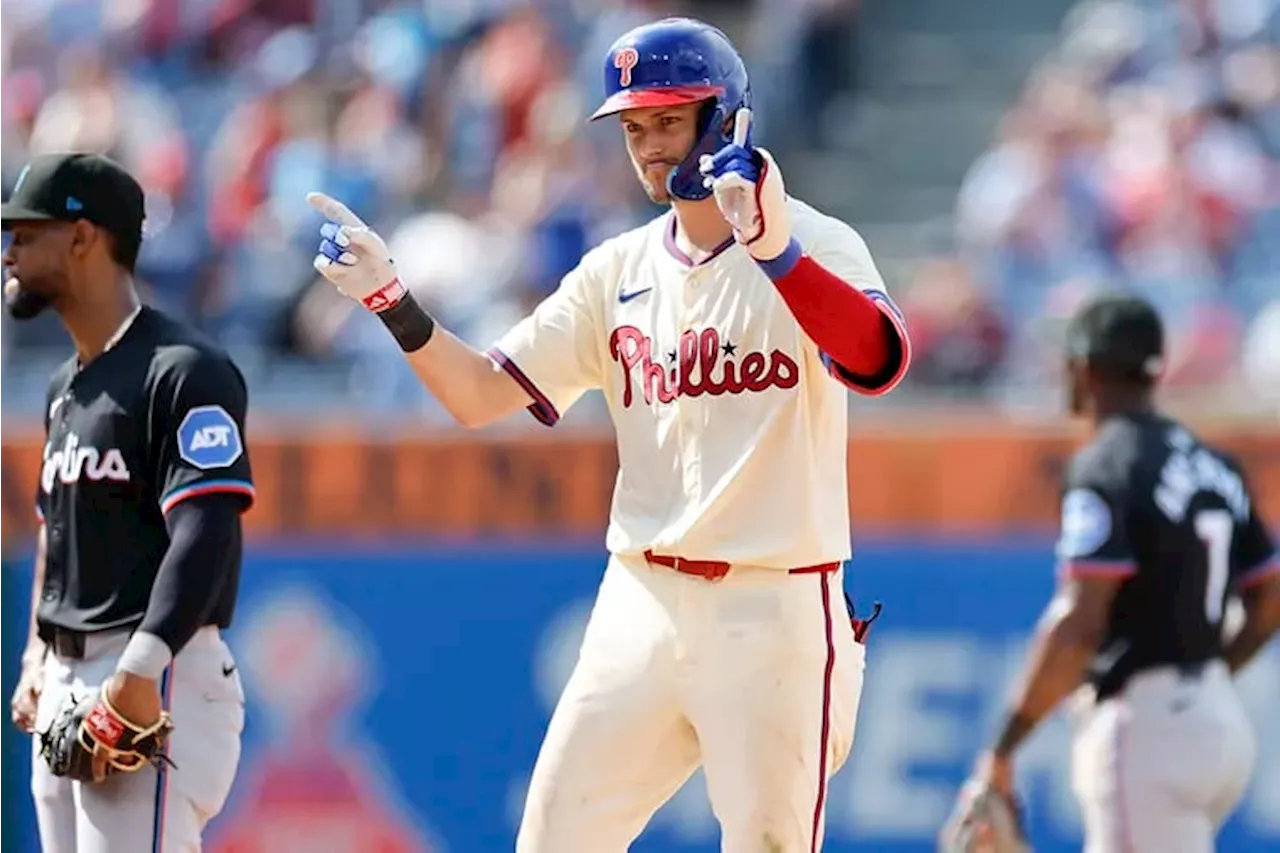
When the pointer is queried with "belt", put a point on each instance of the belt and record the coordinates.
(1184, 671)
(714, 570)
(1192, 670)
(79, 645)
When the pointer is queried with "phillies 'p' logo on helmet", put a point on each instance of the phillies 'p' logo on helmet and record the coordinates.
(624, 60)
(679, 61)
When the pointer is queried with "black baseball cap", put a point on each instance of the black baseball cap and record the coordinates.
(70, 187)
(1119, 335)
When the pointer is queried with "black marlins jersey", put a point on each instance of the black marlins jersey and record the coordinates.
(1148, 502)
(156, 419)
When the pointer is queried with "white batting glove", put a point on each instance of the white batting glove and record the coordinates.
(353, 257)
(748, 188)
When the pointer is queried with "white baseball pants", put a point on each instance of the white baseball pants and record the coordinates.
(755, 677)
(1160, 766)
(147, 811)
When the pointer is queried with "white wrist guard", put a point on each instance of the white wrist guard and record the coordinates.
(146, 655)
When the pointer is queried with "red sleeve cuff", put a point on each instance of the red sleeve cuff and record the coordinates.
(888, 379)
(1068, 569)
(207, 487)
(1268, 568)
(541, 408)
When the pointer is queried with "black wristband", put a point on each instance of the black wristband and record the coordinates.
(411, 326)
(1015, 729)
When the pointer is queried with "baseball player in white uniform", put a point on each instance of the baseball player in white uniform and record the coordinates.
(723, 334)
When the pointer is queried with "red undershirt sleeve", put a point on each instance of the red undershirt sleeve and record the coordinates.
(860, 332)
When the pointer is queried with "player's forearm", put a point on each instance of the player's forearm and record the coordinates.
(204, 545)
(35, 649)
(1059, 659)
(1261, 624)
(474, 390)
(1246, 645)
(471, 387)
(843, 321)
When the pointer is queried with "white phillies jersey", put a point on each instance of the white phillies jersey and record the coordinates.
(731, 424)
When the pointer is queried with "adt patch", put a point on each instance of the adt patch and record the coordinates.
(209, 438)
(1086, 524)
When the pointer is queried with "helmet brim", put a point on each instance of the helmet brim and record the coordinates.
(670, 96)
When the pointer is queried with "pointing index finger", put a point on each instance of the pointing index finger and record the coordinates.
(334, 210)
(741, 123)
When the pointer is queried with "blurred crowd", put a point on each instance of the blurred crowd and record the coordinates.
(456, 127)
(1144, 155)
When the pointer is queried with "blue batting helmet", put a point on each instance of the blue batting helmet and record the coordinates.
(679, 61)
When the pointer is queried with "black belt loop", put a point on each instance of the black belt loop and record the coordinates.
(68, 644)
(1192, 671)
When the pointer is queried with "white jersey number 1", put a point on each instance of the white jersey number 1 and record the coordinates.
(1215, 527)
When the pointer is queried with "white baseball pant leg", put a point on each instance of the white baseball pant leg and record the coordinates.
(756, 677)
(618, 745)
(775, 704)
(147, 811)
(1159, 767)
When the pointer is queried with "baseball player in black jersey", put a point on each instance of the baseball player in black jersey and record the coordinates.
(1158, 533)
(127, 687)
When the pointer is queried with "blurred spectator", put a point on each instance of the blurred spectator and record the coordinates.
(804, 56)
(957, 335)
(23, 94)
(1141, 155)
(1260, 364)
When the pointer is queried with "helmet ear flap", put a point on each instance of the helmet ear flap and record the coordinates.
(685, 181)
(706, 116)
(716, 120)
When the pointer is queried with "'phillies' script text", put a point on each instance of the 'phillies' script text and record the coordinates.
(693, 367)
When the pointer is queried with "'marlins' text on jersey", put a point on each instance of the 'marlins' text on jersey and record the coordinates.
(74, 461)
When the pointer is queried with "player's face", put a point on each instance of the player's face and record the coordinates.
(658, 140)
(37, 266)
(1077, 386)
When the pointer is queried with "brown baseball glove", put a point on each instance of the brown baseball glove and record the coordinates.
(89, 725)
(984, 820)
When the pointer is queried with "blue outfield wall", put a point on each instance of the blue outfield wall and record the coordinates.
(397, 697)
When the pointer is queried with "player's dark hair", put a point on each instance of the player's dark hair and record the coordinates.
(1121, 338)
(124, 251)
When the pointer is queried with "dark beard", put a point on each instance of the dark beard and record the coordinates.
(23, 304)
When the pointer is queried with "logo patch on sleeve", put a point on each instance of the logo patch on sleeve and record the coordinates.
(1086, 524)
(209, 438)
